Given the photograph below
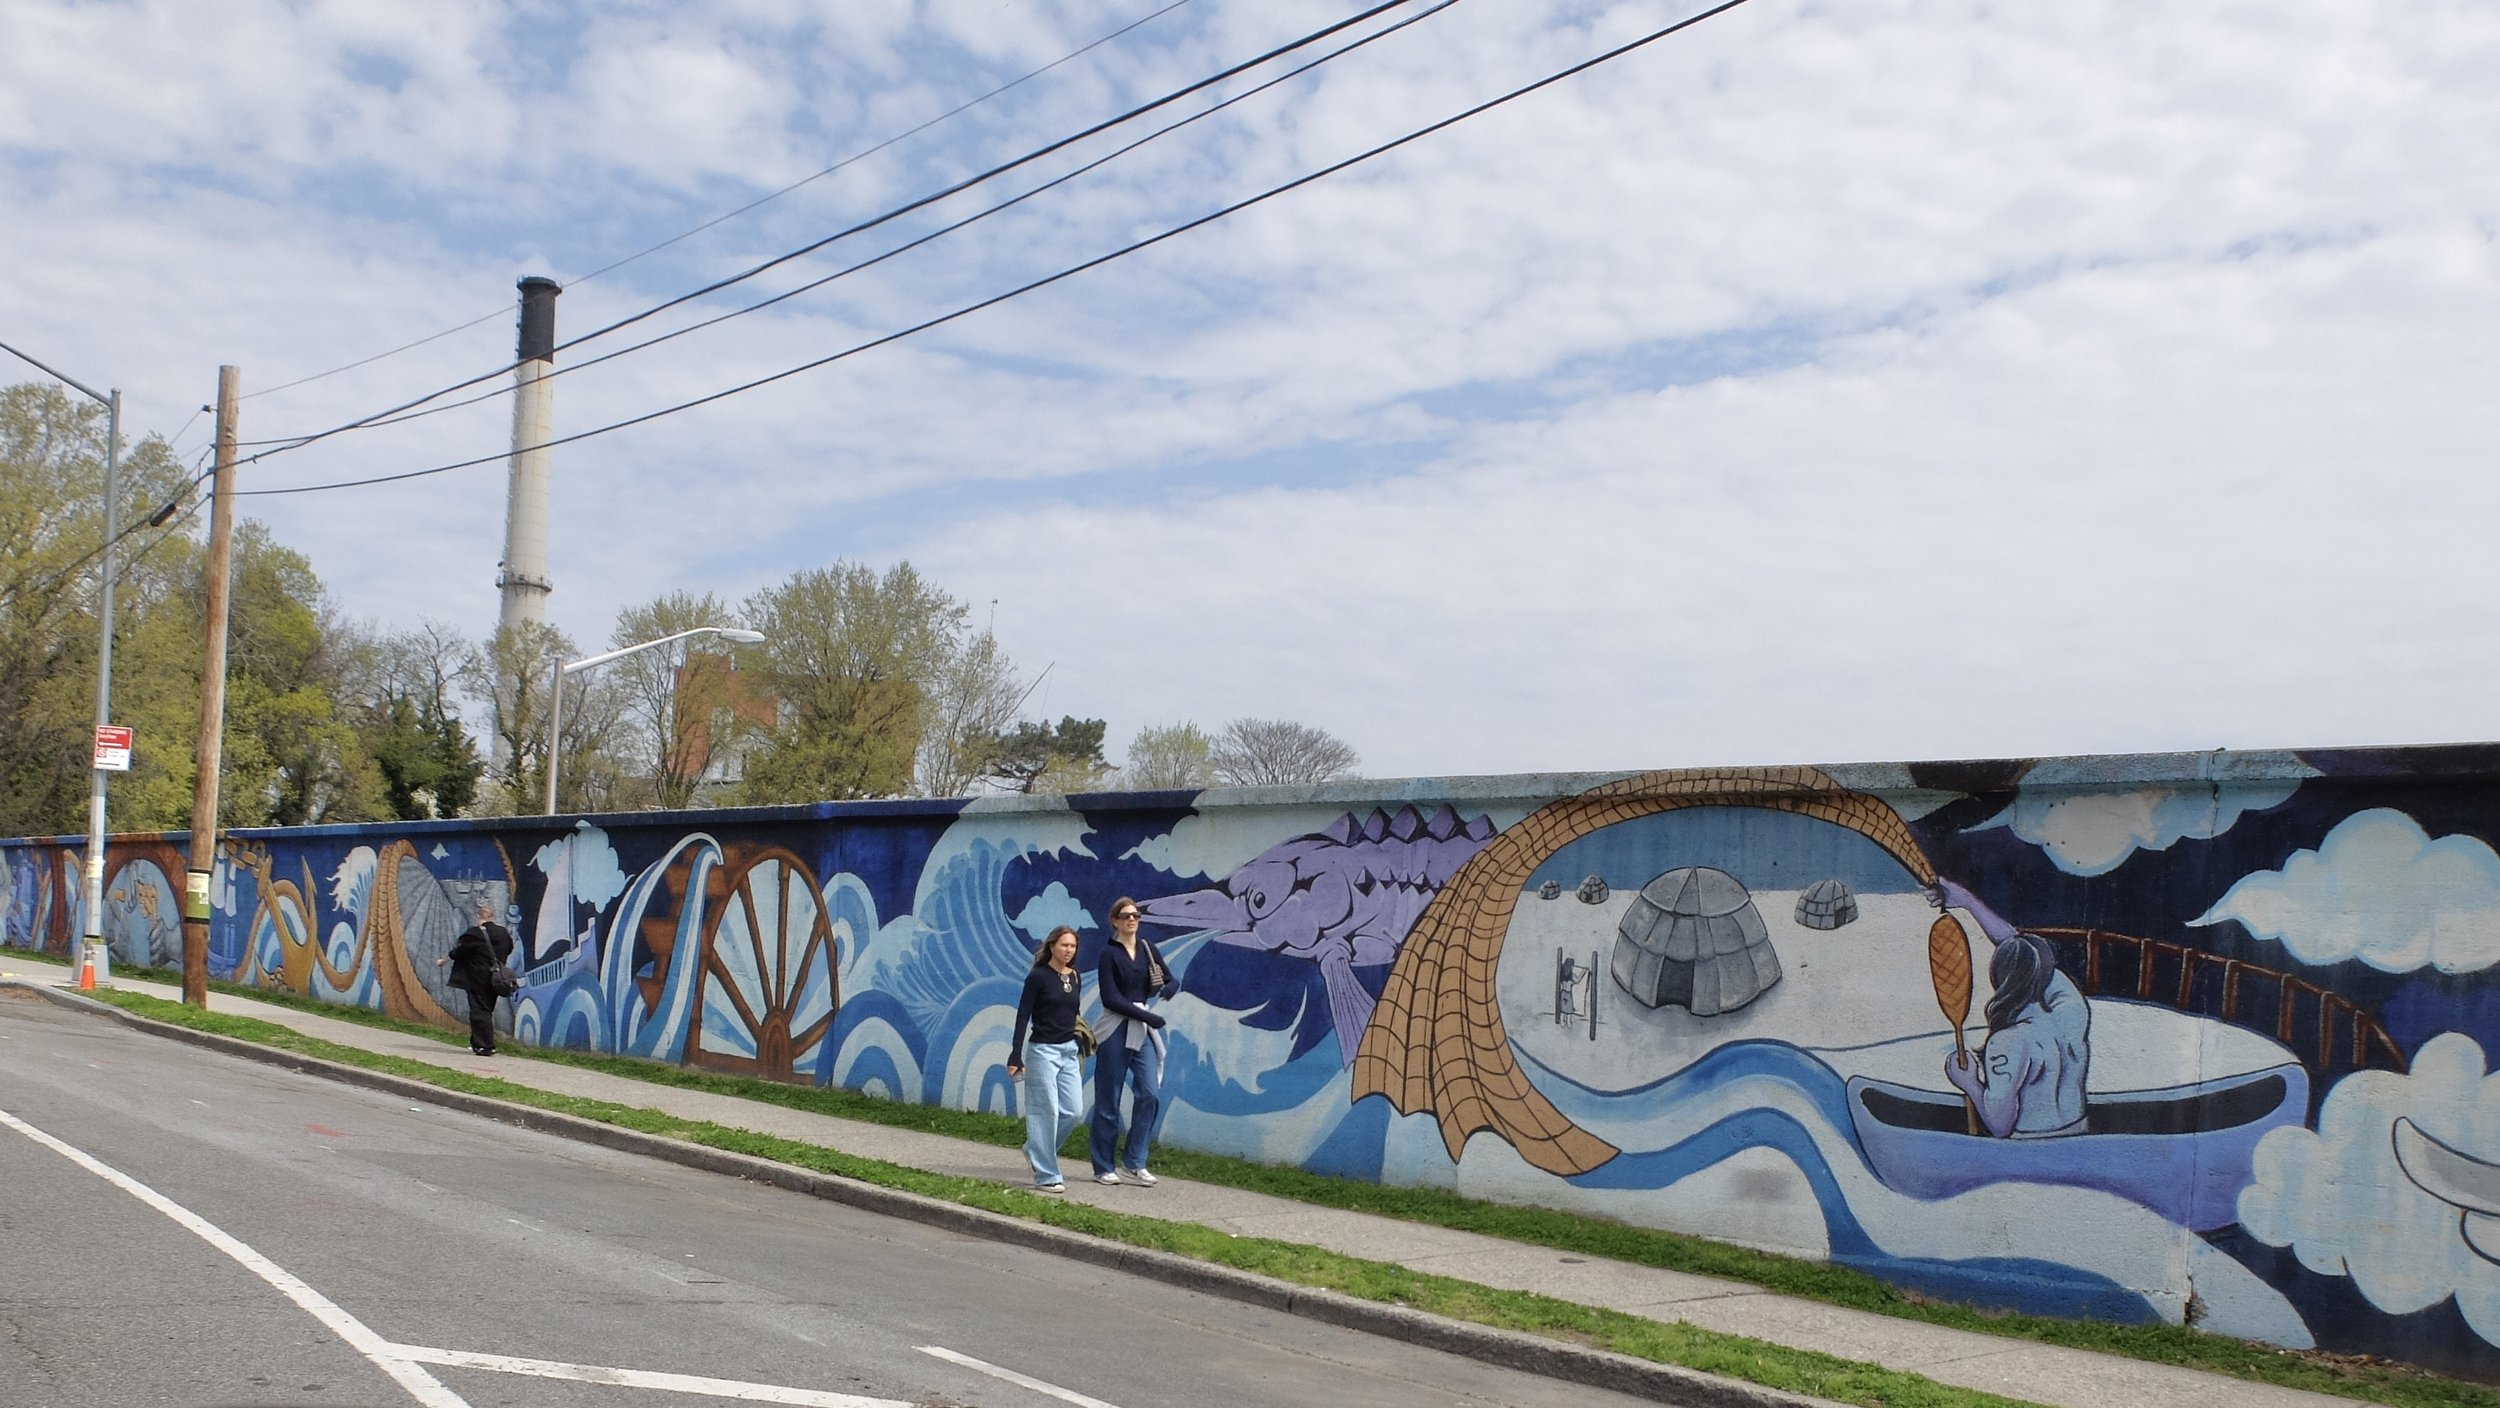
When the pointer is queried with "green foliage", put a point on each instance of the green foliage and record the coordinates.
(429, 767)
(1170, 756)
(681, 704)
(1062, 757)
(853, 656)
(292, 750)
(52, 456)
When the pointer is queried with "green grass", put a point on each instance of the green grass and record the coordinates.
(2397, 1385)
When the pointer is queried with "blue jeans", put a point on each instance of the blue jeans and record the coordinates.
(1140, 1069)
(1054, 1099)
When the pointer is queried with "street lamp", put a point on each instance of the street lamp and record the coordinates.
(555, 687)
(96, 952)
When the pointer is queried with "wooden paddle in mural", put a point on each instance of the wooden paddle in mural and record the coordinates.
(1948, 964)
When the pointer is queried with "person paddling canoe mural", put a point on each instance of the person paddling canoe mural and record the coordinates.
(2027, 1079)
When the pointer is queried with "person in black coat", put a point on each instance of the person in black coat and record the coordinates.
(474, 956)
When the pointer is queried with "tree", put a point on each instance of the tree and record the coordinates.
(1170, 756)
(294, 750)
(51, 524)
(971, 704)
(674, 698)
(401, 696)
(1277, 752)
(1035, 758)
(514, 668)
(293, 756)
(854, 657)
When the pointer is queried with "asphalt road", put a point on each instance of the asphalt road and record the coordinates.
(412, 1255)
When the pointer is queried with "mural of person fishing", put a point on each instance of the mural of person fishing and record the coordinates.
(2235, 1049)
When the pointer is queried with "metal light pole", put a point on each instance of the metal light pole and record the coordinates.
(555, 687)
(96, 950)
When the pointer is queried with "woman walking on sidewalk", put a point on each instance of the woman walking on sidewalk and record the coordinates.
(475, 955)
(1043, 1054)
(1130, 976)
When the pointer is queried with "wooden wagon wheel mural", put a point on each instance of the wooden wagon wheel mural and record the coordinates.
(1436, 1041)
(766, 992)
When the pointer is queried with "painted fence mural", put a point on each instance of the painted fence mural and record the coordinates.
(2187, 1037)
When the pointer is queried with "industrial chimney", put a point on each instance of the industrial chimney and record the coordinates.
(523, 580)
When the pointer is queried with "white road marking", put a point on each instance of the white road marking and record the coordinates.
(1065, 1395)
(401, 1361)
(384, 1355)
(644, 1378)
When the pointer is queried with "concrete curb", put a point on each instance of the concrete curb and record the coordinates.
(1510, 1349)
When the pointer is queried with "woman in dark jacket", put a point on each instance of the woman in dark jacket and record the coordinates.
(473, 958)
(1130, 1055)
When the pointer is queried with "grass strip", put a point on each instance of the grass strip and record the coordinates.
(1734, 1356)
(2395, 1384)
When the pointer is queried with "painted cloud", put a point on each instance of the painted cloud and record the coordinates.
(2092, 833)
(597, 877)
(2380, 889)
(2338, 1197)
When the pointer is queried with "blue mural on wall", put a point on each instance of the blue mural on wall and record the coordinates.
(2108, 1037)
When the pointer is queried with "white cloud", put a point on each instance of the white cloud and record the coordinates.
(2092, 830)
(596, 876)
(2337, 1196)
(1051, 908)
(1869, 381)
(2381, 890)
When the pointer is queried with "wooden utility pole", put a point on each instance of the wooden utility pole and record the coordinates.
(219, 574)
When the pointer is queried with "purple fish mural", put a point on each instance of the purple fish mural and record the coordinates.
(1342, 897)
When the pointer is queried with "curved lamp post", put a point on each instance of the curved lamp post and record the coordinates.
(96, 950)
(555, 687)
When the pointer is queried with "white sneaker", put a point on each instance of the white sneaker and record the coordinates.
(1140, 1176)
(1106, 1177)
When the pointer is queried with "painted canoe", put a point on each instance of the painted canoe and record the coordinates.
(2184, 1152)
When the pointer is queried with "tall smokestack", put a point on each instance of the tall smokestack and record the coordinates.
(524, 577)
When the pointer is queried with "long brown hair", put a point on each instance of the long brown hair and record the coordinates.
(1041, 956)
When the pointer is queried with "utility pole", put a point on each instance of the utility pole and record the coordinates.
(97, 959)
(195, 900)
(100, 955)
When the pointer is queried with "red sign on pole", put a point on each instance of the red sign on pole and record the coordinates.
(112, 748)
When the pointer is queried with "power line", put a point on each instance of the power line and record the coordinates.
(941, 231)
(287, 443)
(860, 155)
(1049, 279)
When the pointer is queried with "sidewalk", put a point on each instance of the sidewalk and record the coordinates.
(2016, 1369)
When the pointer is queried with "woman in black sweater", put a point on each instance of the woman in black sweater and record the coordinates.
(1043, 1054)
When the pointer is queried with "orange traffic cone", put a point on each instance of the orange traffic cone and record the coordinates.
(86, 970)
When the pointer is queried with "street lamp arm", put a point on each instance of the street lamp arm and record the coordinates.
(73, 383)
(555, 688)
(735, 633)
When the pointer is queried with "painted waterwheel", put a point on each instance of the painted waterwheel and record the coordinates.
(766, 990)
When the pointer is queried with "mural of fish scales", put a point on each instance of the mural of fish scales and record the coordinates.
(1342, 898)
(2103, 1037)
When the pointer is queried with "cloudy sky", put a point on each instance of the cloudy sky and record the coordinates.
(1826, 382)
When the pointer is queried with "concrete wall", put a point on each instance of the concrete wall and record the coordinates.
(2237, 1073)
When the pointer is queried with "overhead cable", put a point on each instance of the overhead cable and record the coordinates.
(861, 155)
(938, 233)
(1047, 280)
(297, 442)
